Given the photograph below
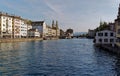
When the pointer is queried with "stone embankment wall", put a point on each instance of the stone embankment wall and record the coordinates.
(109, 48)
(19, 40)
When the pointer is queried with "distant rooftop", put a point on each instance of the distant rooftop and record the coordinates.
(38, 21)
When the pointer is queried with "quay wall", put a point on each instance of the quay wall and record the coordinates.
(109, 48)
(24, 39)
(19, 40)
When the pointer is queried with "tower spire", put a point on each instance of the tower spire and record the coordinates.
(56, 24)
(53, 24)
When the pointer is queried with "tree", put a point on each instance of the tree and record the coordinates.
(102, 26)
(28, 21)
(69, 31)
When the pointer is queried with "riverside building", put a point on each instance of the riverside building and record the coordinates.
(45, 30)
(49, 31)
(91, 33)
(19, 27)
(33, 33)
(41, 26)
(105, 37)
(24, 28)
(12, 26)
(55, 29)
(117, 27)
(5, 25)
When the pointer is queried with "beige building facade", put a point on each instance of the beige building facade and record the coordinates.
(117, 27)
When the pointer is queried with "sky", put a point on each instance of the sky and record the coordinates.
(79, 15)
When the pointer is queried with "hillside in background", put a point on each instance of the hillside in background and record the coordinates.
(79, 33)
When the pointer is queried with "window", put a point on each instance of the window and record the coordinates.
(106, 34)
(9, 18)
(111, 34)
(3, 24)
(119, 23)
(105, 40)
(4, 30)
(100, 40)
(100, 34)
(118, 31)
(111, 40)
(3, 17)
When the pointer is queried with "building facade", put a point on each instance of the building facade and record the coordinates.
(91, 33)
(112, 26)
(41, 26)
(12, 26)
(29, 26)
(45, 30)
(55, 29)
(117, 27)
(48, 31)
(105, 37)
(23, 29)
(33, 33)
(16, 27)
(5, 25)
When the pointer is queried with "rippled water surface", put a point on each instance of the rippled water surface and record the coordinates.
(72, 57)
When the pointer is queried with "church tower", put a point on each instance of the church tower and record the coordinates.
(56, 24)
(53, 24)
(57, 29)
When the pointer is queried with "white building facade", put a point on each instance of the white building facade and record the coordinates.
(5, 26)
(23, 29)
(33, 33)
(29, 26)
(12, 26)
(41, 26)
(105, 37)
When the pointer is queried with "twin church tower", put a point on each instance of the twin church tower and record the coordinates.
(55, 26)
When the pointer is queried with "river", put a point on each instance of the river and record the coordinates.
(70, 57)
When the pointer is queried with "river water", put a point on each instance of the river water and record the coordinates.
(72, 57)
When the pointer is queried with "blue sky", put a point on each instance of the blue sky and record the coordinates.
(77, 14)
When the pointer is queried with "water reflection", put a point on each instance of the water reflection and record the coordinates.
(117, 66)
(74, 57)
(7, 56)
(106, 62)
(8, 46)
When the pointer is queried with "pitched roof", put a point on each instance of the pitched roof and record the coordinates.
(37, 21)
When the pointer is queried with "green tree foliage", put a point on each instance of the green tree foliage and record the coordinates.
(28, 21)
(69, 31)
(103, 26)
